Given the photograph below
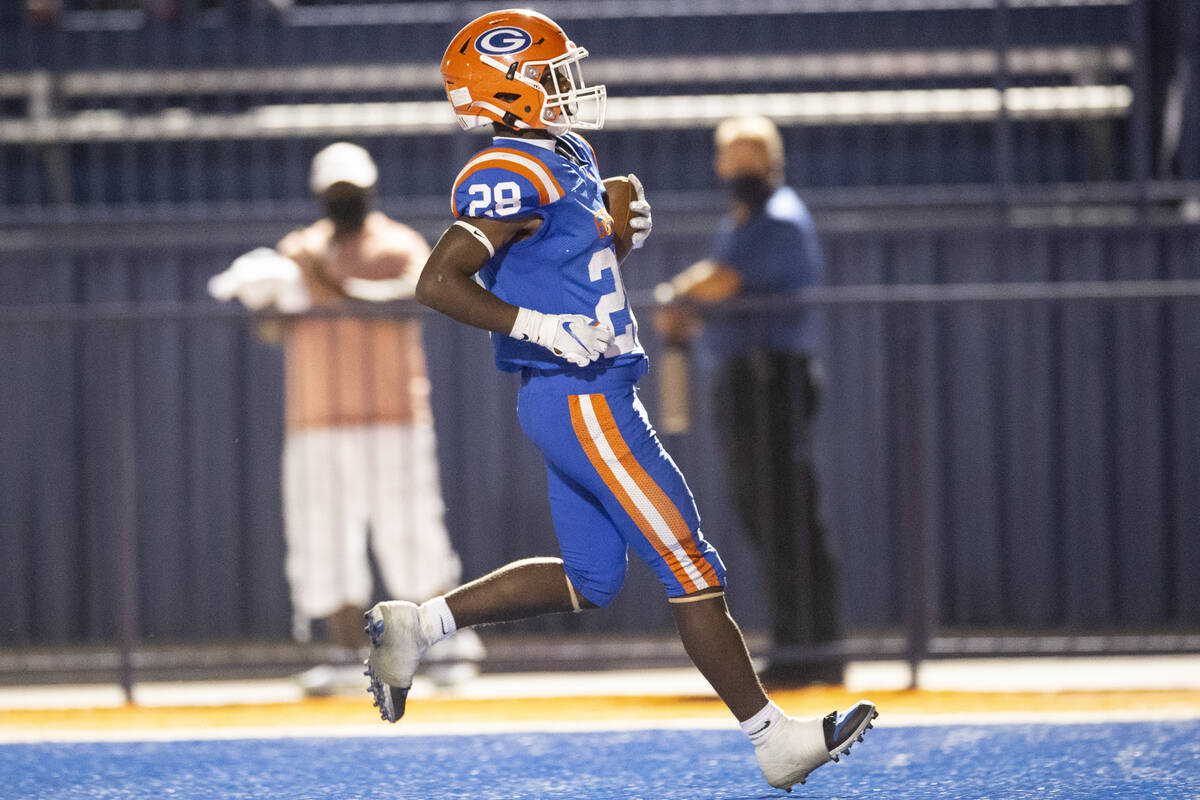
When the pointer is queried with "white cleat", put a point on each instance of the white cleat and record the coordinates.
(397, 643)
(796, 747)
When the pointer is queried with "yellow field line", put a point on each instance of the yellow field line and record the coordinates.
(358, 711)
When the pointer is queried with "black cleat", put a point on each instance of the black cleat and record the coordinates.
(841, 732)
(388, 699)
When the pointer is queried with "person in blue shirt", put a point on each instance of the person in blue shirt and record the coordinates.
(531, 258)
(767, 379)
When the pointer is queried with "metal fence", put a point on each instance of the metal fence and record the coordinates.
(1007, 457)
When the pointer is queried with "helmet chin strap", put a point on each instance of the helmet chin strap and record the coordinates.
(558, 128)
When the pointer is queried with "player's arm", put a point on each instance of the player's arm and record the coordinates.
(447, 284)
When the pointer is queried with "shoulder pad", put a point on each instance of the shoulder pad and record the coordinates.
(582, 145)
(503, 182)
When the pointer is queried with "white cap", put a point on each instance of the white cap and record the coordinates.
(342, 161)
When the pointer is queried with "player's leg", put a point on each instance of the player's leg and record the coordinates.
(589, 574)
(592, 576)
(401, 631)
(649, 501)
(714, 643)
(787, 748)
(527, 588)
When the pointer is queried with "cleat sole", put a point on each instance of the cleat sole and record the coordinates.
(390, 700)
(855, 737)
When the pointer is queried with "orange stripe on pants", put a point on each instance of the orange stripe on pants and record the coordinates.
(678, 528)
(614, 485)
(660, 500)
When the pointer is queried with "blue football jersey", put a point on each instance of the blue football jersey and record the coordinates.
(569, 265)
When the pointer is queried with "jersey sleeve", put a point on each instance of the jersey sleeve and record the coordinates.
(501, 182)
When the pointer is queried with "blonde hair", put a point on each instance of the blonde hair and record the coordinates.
(757, 128)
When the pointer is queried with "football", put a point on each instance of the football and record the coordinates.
(618, 196)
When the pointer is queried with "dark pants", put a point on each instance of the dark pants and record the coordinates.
(766, 406)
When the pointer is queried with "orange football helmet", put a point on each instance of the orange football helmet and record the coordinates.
(517, 67)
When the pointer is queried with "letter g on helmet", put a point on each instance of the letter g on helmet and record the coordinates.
(503, 42)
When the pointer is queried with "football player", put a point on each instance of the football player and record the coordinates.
(531, 258)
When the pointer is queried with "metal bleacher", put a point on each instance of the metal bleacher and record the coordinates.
(125, 108)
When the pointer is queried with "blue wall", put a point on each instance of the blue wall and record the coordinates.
(1049, 450)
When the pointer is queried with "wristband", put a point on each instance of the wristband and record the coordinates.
(526, 327)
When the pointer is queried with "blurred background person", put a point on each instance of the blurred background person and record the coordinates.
(359, 462)
(767, 381)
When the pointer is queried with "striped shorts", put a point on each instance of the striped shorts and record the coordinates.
(613, 486)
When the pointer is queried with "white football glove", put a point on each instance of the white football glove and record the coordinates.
(639, 210)
(573, 337)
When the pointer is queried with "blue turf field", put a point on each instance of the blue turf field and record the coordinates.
(1034, 761)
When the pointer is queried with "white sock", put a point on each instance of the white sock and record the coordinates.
(758, 726)
(436, 620)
